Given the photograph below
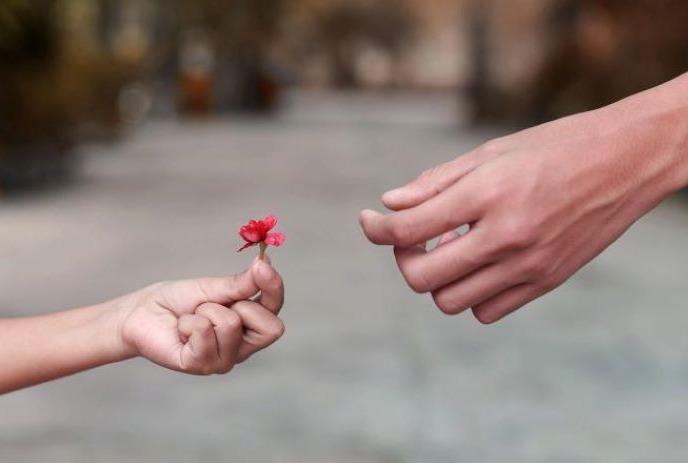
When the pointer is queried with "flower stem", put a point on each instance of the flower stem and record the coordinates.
(261, 254)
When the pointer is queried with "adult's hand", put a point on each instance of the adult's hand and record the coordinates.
(540, 204)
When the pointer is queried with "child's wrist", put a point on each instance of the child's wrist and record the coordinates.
(110, 329)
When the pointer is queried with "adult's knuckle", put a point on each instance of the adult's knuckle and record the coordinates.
(402, 232)
(417, 279)
(459, 263)
(538, 269)
(484, 316)
(447, 304)
(492, 192)
(449, 219)
(516, 234)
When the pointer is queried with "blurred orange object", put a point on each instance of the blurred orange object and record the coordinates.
(196, 93)
(197, 65)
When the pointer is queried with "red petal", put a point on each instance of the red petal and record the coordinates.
(270, 222)
(256, 231)
(250, 234)
(275, 239)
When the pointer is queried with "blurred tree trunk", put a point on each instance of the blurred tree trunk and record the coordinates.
(593, 52)
(49, 90)
(241, 34)
(479, 88)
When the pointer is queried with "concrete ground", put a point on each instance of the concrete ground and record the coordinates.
(368, 372)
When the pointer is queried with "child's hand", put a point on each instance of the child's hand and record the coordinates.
(206, 325)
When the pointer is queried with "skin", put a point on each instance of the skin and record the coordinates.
(539, 204)
(201, 326)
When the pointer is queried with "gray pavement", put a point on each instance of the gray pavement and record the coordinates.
(368, 372)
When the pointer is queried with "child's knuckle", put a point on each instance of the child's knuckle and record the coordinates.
(277, 331)
(232, 321)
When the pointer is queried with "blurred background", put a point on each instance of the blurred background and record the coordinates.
(136, 136)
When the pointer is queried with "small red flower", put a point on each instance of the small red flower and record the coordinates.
(257, 232)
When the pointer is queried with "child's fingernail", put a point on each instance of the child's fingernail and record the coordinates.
(264, 270)
(265, 258)
(367, 214)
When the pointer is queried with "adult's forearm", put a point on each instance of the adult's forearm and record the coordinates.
(657, 122)
(38, 349)
(541, 203)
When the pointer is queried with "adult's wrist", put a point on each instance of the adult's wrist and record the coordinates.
(655, 123)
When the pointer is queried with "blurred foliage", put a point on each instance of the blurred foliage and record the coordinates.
(48, 91)
(596, 52)
(28, 51)
(240, 35)
(238, 26)
(341, 29)
(613, 48)
(25, 36)
(244, 33)
(247, 32)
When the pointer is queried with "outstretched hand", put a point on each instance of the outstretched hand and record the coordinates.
(205, 325)
(539, 205)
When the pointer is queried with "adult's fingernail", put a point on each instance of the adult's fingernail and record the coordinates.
(392, 195)
(367, 214)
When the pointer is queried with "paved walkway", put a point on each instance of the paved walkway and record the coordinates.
(368, 372)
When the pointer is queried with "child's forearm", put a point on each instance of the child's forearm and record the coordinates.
(38, 349)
